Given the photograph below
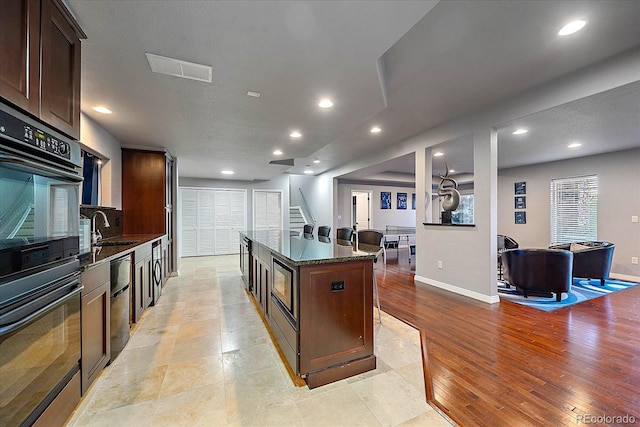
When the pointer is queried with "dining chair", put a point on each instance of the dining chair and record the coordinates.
(324, 231)
(308, 229)
(373, 238)
(344, 233)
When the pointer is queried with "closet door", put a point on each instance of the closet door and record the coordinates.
(206, 222)
(230, 220)
(189, 205)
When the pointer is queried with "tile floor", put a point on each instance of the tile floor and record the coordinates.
(202, 357)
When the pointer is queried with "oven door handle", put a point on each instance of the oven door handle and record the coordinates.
(41, 167)
(18, 324)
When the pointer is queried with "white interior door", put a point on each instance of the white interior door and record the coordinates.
(362, 210)
(267, 209)
(230, 218)
(189, 205)
(206, 222)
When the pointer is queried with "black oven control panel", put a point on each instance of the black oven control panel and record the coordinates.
(27, 133)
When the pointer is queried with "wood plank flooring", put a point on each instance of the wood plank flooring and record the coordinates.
(510, 365)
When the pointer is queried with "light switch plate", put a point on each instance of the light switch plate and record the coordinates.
(634, 260)
(634, 218)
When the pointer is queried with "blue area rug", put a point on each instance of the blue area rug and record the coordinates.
(581, 290)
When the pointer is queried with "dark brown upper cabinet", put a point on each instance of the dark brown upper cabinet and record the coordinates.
(143, 191)
(40, 70)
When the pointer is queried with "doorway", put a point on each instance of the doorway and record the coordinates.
(361, 210)
(267, 210)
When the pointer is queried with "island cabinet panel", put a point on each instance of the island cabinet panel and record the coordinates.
(336, 309)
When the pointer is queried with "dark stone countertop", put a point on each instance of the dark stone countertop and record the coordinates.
(108, 253)
(301, 249)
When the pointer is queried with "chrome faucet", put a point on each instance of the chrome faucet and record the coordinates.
(95, 233)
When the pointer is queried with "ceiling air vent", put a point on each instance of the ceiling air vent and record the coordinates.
(283, 162)
(176, 67)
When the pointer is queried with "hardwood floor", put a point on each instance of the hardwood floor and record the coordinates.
(506, 364)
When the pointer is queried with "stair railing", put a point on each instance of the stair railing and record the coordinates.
(306, 209)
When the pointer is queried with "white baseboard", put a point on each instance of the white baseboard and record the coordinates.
(461, 291)
(625, 277)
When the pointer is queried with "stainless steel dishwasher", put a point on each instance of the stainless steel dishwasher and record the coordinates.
(120, 288)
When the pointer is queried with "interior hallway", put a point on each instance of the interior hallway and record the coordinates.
(202, 357)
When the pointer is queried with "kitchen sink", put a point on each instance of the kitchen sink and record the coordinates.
(118, 243)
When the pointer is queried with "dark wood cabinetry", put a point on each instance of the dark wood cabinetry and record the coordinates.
(143, 191)
(40, 67)
(96, 316)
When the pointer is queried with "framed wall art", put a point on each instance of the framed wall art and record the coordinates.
(413, 201)
(385, 200)
(520, 202)
(521, 217)
(402, 201)
(520, 187)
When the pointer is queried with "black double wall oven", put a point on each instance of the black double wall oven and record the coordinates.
(39, 269)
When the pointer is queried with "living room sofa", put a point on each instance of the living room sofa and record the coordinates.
(541, 270)
(591, 260)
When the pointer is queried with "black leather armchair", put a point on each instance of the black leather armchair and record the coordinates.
(545, 270)
(591, 260)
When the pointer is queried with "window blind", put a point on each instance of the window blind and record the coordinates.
(574, 209)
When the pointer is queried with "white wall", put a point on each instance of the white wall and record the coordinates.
(98, 141)
(317, 192)
(618, 199)
(380, 218)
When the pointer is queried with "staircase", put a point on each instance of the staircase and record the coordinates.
(296, 219)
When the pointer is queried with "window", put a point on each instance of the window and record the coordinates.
(574, 209)
(464, 213)
(91, 173)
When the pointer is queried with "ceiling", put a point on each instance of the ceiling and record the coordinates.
(404, 66)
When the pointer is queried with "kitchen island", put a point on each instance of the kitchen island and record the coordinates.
(316, 296)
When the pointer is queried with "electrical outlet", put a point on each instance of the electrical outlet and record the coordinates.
(439, 264)
(634, 260)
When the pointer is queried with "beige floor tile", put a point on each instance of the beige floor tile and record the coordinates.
(235, 339)
(137, 386)
(255, 391)
(274, 415)
(134, 359)
(193, 373)
(199, 328)
(427, 419)
(202, 406)
(146, 337)
(414, 375)
(208, 345)
(398, 352)
(391, 398)
(197, 313)
(249, 360)
(338, 407)
(137, 415)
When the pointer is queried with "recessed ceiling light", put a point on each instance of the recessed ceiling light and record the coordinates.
(316, 161)
(254, 94)
(103, 110)
(295, 134)
(325, 103)
(572, 27)
(574, 145)
(308, 171)
(438, 154)
(226, 172)
(278, 153)
(520, 131)
(452, 170)
(375, 129)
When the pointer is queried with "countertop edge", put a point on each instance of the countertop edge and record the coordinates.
(86, 262)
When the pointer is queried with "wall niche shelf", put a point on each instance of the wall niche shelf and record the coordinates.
(448, 225)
